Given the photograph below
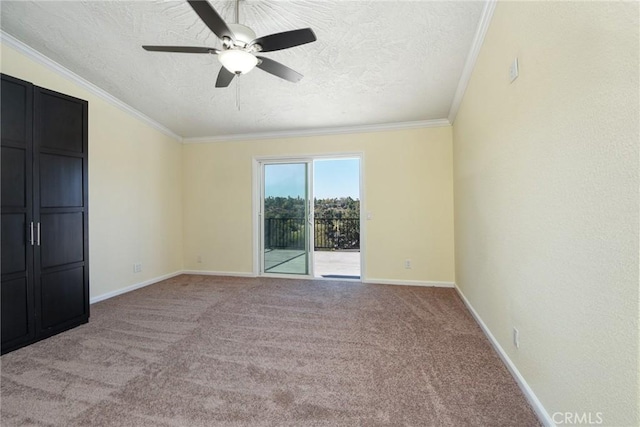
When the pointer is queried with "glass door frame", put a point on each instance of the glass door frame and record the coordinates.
(260, 164)
(256, 191)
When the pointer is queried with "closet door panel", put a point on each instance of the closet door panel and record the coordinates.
(60, 194)
(63, 297)
(60, 181)
(17, 296)
(62, 239)
(14, 243)
(61, 121)
(14, 177)
(16, 315)
(16, 110)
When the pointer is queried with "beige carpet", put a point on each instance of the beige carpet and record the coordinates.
(213, 351)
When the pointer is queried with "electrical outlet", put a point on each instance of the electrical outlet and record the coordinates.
(137, 267)
(407, 264)
(516, 338)
(199, 259)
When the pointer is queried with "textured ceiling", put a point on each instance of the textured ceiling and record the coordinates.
(375, 62)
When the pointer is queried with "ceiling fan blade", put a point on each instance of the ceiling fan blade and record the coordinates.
(210, 17)
(279, 70)
(224, 77)
(181, 49)
(285, 40)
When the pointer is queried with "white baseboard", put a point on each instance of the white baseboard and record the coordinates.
(241, 274)
(285, 276)
(217, 273)
(540, 411)
(409, 283)
(133, 287)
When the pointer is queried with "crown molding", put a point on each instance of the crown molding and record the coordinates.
(472, 57)
(38, 57)
(320, 131)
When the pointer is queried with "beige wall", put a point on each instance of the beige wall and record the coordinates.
(135, 204)
(546, 200)
(138, 212)
(407, 188)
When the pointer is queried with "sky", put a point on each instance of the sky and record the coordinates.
(282, 180)
(332, 178)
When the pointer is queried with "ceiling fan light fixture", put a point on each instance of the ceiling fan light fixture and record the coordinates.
(237, 61)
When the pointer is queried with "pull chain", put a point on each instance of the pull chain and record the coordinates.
(238, 92)
(238, 76)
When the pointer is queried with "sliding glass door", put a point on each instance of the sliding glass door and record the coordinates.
(286, 218)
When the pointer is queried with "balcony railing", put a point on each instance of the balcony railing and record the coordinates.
(329, 233)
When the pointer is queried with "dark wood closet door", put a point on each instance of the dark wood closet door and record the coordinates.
(60, 204)
(17, 252)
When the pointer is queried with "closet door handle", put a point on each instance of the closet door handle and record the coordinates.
(31, 239)
(38, 234)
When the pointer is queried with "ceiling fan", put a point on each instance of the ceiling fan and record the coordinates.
(240, 45)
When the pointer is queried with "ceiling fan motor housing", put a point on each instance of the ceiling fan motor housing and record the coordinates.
(244, 35)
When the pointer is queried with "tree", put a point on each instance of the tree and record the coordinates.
(337, 222)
